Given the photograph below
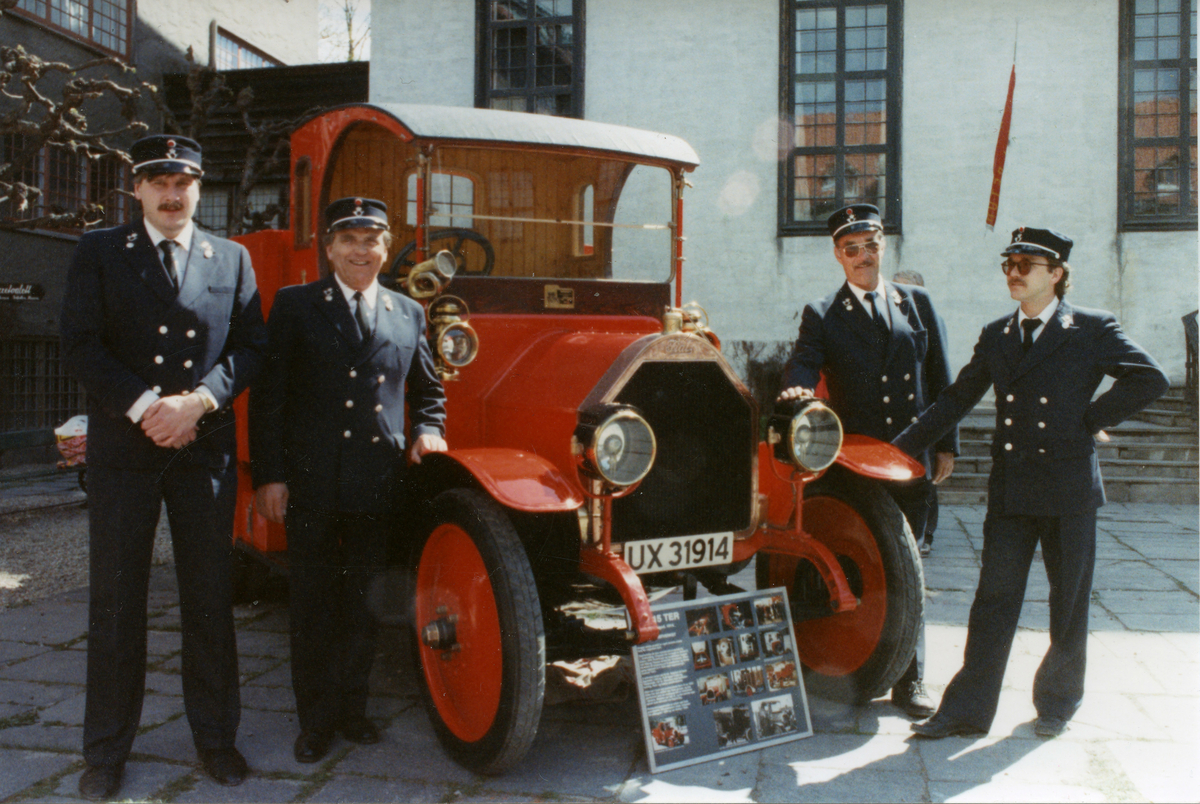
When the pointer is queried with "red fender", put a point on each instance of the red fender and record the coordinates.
(870, 457)
(517, 479)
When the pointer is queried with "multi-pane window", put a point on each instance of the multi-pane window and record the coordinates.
(105, 23)
(35, 390)
(266, 208)
(452, 197)
(532, 59)
(1158, 125)
(67, 182)
(234, 54)
(841, 108)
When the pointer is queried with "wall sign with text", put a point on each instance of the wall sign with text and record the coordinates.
(722, 678)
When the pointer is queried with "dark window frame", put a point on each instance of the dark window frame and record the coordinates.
(1128, 218)
(70, 181)
(45, 18)
(788, 78)
(484, 28)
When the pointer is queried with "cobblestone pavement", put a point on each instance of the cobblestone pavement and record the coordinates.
(1135, 738)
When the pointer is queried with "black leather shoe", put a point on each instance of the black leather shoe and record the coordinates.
(101, 782)
(936, 728)
(360, 730)
(911, 699)
(1049, 726)
(225, 765)
(311, 746)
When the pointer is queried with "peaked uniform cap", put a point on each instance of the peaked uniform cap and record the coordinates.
(854, 218)
(166, 153)
(1046, 242)
(356, 213)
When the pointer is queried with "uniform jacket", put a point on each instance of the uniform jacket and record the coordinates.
(1043, 453)
(327, 415)
(125, 331)
(874, 394)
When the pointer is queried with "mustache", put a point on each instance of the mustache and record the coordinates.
(170, 206)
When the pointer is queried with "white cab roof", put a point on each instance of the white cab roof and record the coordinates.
(491, 125)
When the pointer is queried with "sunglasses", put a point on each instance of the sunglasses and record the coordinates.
(854, 249)
(1023, 268)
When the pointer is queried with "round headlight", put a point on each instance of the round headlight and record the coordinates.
(619, 449)
(814, 437)
(458, 344)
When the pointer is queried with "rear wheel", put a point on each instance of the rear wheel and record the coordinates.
(479, 636)
(856, 655)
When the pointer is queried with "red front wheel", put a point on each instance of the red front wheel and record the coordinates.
(479, 636)
(855, 655)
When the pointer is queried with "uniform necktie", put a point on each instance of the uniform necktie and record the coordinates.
(882, 331)
(360, 314)
(168, 252)
(1027, 327)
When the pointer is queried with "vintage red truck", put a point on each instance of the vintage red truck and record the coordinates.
(599, 441)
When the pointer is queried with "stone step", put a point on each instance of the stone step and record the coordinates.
(970, 488)
(1111, 468)
(1118, 449)
(979, 429)
(1175, 418)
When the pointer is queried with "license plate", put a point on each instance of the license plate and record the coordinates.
(679, 552)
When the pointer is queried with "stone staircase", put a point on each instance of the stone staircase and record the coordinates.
(1153, 457)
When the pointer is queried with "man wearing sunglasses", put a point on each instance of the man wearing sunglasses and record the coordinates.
(879, 347)
(1045, 361)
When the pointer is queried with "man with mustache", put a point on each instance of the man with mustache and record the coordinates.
(1045, 361)
(879, 348)
(162, 325)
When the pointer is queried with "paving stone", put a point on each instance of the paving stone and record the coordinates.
(729, 778)
(44, 625)
(33, 694)
(280, 676)
(554, 760)
(991, 791)
(266, 738)
(1175, 717)
(257, 789)
(141, 781)
(280, 699)
(1122, 602)
(11, 651)
(358, 788)
(881, 752)
(1160, 622)
(1186, 572)
(1111, 716)
(163, 643)
(24, 769)
(1160, 771)
(408, 750)
(52, 667)
(972, 759)
(43, 736)
(164, 683)
(829, 784)
(272, 644)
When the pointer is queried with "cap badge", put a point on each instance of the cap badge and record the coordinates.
(358, 207)
(171, 149)
(1019, 235)
(850, 214)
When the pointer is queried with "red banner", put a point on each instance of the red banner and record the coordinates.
(1001, 151)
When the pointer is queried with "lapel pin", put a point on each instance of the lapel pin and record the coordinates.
(387, 303)
(131, 239)
(848, 305)
(896, 297)
(1067, 321)
(207, 249)
(328, 294)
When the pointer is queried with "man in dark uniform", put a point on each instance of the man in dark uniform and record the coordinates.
(1045, 362)
(162, 326)
(327, 448)
(880, 349)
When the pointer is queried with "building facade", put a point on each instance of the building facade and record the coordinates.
(799, 106)
(153, 37)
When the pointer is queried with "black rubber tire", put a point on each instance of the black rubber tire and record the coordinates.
(902, 573)
(523, 642)
(404, 261)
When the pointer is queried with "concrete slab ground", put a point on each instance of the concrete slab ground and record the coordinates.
(1136, 738)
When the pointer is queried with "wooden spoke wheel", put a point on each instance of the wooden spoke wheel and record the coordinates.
(479, 635)
(856, 655)
(472, 251)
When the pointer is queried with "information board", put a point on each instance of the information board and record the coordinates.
(722, 678)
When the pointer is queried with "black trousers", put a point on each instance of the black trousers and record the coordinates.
(332, 560)
(1069, 553)
(913, 499)
(123, 514)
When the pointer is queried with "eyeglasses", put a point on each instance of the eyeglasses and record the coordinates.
(1023, 268)
(852, 250)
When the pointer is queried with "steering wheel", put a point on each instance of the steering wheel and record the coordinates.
(455, 238)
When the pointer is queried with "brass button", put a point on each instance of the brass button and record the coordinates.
(1009, 397)
(375, 439)
(162, 330)
(346, 434)
(911, 397)
(886, 400)
(908, 376)
(157, 389)
(379, 408)
(191, 333)
(1042, 425)
(1043, 400)
(353, 373)
(381, 379)
(1008, 447)
(187, 364)
(158, 359)
(349, 403)
(884, 378)
(1008, 421)
(888, 419)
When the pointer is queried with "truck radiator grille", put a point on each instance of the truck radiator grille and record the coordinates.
(701, 481)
